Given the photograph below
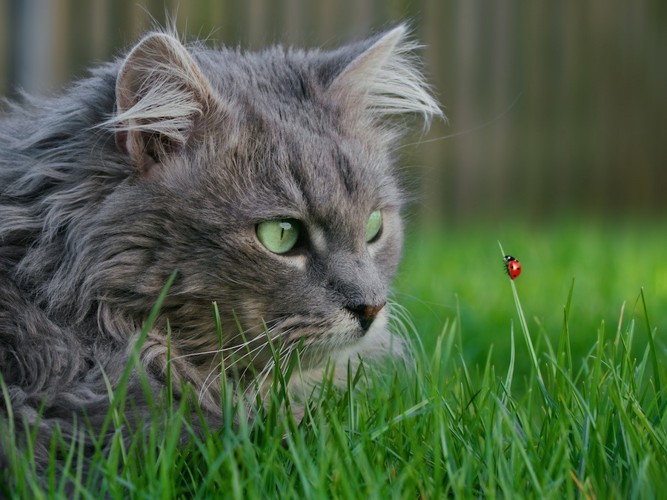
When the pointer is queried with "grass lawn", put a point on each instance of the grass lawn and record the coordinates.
(564, 399)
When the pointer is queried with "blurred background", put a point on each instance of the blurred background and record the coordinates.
(557, 112)
(553, 106)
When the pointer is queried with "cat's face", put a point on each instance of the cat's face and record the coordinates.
(302, 230)
(271, 189)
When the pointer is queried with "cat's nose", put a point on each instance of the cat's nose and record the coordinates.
(365, 313)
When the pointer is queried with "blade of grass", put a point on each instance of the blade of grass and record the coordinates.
(529, 342)
(564, 347)
(510, 368)
(654, 353)
(117, 394)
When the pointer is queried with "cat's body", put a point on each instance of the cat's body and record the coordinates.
(189, 160)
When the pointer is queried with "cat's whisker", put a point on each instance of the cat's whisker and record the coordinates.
(198, 353)
(236, 360)
(210, 379)
(262, 376)
(235, 347)
(400, 315)
(255, 386)
(283, 359)
(257, 350)
(206, 384)
(267, 343)
(259, 328)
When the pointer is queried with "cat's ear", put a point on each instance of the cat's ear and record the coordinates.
(160, 92)
(382, 77)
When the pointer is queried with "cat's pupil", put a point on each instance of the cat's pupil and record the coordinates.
(283, 226)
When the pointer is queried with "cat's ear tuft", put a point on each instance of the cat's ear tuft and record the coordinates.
(385, 79)
(160, 92)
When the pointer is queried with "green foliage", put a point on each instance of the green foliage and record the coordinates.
(574, 419)
(459, 273)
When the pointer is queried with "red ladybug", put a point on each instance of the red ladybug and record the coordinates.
(512, 267)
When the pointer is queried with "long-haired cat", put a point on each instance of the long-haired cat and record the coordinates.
(265, 180)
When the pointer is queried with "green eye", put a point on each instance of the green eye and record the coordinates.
(278, 236)
(373, 225)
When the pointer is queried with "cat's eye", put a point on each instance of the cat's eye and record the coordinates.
(373, 226)
(278, 236)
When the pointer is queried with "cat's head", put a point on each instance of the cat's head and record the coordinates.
(268, 181)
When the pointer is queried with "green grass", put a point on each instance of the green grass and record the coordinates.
(478, 415)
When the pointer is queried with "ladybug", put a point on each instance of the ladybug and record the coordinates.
(512, 267)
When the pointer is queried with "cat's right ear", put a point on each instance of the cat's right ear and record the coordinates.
(378, 78)
(160, 93)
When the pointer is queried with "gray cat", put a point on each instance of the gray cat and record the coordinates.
(265, 180)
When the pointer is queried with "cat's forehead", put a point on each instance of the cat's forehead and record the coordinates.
(293, 151)
(272, 76)
(319, 174)
(273, 133)
(334, 172)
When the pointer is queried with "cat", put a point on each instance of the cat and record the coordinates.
(266, 181)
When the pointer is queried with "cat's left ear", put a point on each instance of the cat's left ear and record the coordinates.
(382, 77)
(160, 92)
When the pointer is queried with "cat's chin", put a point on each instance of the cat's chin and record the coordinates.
(377, 343)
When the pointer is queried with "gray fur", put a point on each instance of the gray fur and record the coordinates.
(167, 160)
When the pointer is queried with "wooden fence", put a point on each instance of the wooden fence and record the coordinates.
(553, 106)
